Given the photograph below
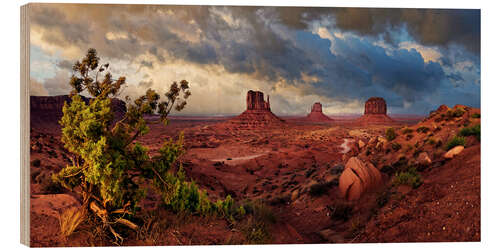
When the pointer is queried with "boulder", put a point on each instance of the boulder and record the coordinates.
(361, 144)
(357, 178)
(454, 151)
(424, 159)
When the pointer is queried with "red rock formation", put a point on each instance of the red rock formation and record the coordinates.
(48, 109)
(317, 115)
(375, 112)
(357, 178)
(258, 113)
(375, 105)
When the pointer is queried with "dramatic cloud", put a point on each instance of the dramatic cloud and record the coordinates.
(416, 59)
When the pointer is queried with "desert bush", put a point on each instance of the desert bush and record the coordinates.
(320, 188)
(409, 177)
(423, 129)
(396, 146)
(256, 228)
(70, 219)
(455, 141)
(36, 162)
(476, 115)
(473, 130)
(458, 112)
(340, 211)
(112, 170)
(430, 141)
(390, 134)
(407, 130)
(383, 198)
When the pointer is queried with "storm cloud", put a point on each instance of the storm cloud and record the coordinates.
(338, 55)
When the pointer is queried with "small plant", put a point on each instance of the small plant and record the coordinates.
(356, 228)
(423, 129)
(473, 130)
(410, 177)
(383, 198)
(320, 188)
(70, 219)
(340, 211)
(390, 134)
(407, 131)
(431, 141)
(396, 146)
(36, 163)
(455, 141)
(458, 112)
(476, 115)
(256, 229)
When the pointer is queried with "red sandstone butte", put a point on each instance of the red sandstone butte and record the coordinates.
(258, 113)
(375, 112)
(49, 108)
(317, 115)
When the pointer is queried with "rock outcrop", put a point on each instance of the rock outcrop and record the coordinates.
(258, 113)
(375, 112)
(317, 115)
(48, 109)
(357, 178)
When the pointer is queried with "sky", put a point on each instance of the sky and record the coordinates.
(416, 59)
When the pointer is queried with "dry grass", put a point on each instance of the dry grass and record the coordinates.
(70, 219)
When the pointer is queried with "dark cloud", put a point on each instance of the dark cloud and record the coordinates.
(274, 43)
(428, 26)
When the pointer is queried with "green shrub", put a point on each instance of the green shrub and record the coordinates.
(36, 163)
(320, 188)
(458, 112)
(407, 131)
(423, 129)
(396, 146)
(112, 169)
(256, 229)
(473, 130)
(410, 177)
(476, 115)
(340, 211)
(390, 134)
(455, 141)
(431, 141)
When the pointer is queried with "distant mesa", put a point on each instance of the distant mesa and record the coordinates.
(375, 112)
(49, 108)
(257, 114)
(317, 115)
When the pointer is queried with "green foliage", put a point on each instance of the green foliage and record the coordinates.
(410, 177)
(455, 141)
(430, 141)
(390, 134)
(111, 167)
(422, 129)
(473, 130)
(407, 131)
(256, 229)
(476, 115)
(320, 188)
(458, 112)
(340, 211)
(36, 162)
(396, 146)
